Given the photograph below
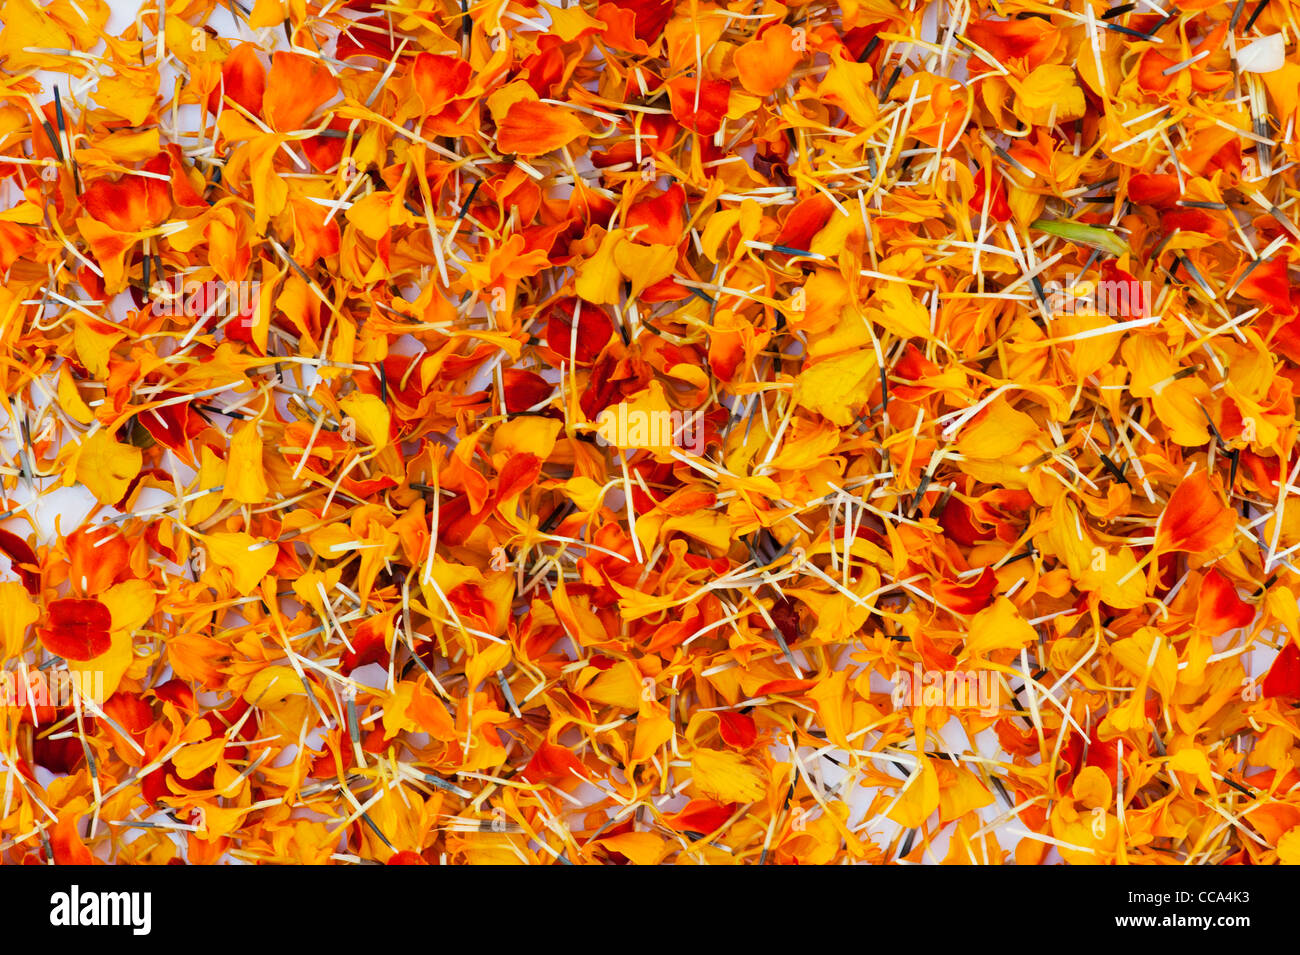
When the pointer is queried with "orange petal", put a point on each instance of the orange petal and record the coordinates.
(1195, 520)
(243, 79)
(531, 129)
(765, 64)
(296, 87)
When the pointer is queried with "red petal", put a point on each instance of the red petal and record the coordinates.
(1152, 189)
(524, 389)
(407, 858)
(173, 425)
(1218, 608)
(700, 815)
(368, 644)
(173, 691)
(1151, 72)
(78, 628)
(326, 152)
(1195, 519)
(1269, 284)
(367, 42)
(967, 598)
(651, 16)
(15, 242)
(737, 729)
(959, 523)
(366, 489)
(785, 687)
(1283, 678)
(519, 472)
(594, 331)
(804, 222)
(553, 763)
(998, 207)
(1014, 39)
(24, 560)
(912, 365)
(704, 116)
(661, 217)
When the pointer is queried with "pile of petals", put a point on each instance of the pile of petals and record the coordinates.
(637, 431)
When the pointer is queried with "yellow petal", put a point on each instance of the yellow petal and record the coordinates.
(267, 13)
(837, 387)
(526, 435)
(711, 528)
(901, 313)
(270, 192)
(653, 729)
(642, 848)
(1281, 603)
(486, 662)
(1129, 594)
(999, 431)
(245, 477)
(212, 473)
(828, 694)
(1049, 90)
(1288, 847)
(373, 215)
(999, 627)
(247, 563)
(273, 685)
(371, 416)
(919, 798)
(106, 467)
(584, 492)
(93, 347)
(619, 686)
(598, 276)
(17, 612)
(1092, 788)
(965, 793)
(70, 399)
(1193, 762)
(726, 776)
(196, 757)
(643, 265)
(1135, 655)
